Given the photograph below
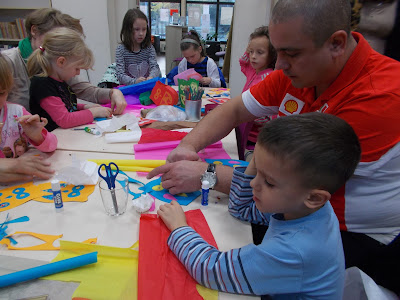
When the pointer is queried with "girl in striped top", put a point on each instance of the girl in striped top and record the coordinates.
(135, 57)
(195, 57)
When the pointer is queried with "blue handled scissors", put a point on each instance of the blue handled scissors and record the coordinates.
(111, 174)
(110, 177)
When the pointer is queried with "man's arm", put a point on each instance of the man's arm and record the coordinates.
(212, 128)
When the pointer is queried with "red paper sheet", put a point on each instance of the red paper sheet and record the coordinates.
(152, 135)
(161, 275)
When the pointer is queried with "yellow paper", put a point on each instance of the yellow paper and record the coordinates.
(134, 169)
(148, 163)
(114, 276)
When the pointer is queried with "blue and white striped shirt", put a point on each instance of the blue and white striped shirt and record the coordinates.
(298, 259)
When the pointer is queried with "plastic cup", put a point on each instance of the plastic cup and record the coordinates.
(115, 206)
(193, 110)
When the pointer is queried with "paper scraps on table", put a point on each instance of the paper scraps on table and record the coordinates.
(17, 195)
(155, 255)
(117, 122)
(79, 172)
(3, 227)
(48, 240)
(219, 100)
(152, 135)
(95, 279)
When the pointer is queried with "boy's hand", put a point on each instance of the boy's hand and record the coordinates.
(251, 168)
(172, 214)
(205, 80)
(100, 111)
(32, 125)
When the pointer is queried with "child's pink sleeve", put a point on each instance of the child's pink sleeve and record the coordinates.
(55, 107)
(244, 62)
(80, 106)
(50, 141)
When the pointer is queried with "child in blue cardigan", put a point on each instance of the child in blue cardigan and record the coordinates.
(299, 162)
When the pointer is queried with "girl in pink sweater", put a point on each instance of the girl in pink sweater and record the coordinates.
(61, 57)
(257, 63)
(18, 127)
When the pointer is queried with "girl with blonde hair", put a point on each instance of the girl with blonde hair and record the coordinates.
(17, 126)
(61, 57)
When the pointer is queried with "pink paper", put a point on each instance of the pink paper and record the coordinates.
(133, 108)
(162, 149)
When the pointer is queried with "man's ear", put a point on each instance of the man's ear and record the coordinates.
(338, 43)
(317, 198)
(61, 61)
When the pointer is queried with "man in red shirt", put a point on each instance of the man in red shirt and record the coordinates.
(323, 67)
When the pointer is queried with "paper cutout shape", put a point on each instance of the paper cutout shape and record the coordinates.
(171, 280)
(48, 239)
(186, 75)
(3, 227)
(164, 94)
(155, 189)
(228, 162)
(14, 196)
(96, 280)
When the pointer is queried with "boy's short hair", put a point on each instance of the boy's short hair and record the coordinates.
(323, 149)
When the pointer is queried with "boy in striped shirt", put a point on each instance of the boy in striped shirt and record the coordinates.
(299, 162)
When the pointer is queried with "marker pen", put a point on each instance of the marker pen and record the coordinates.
(57, 197)
(205, 188)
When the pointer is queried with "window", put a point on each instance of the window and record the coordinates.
(211, 19)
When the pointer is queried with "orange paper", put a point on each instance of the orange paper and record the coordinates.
(163, 94)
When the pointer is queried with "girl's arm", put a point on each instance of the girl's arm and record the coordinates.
(244, 62)
(154, 67)
(55, 107)
(123, 78)
(213, 73)
(47, 142)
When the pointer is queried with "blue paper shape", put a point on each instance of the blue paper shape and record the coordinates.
(155, 189)
(228, 162)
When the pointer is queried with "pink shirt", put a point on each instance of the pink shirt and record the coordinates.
(252, 77)
(12, 133)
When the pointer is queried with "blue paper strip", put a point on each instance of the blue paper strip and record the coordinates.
(48, 269)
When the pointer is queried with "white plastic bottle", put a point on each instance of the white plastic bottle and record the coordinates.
(205, 188)
(57, 197)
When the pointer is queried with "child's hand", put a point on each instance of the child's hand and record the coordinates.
(150, 77)
(251, 168)
(205, 80)
(140, 79)
(32, 125)
(87, 106)
(100, 111)
(172, 214)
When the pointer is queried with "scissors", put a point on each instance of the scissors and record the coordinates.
(110, 177)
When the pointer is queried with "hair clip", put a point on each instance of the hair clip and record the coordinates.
(41, 48)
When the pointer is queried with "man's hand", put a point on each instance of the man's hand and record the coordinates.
(24, 168)
(118, 102)
(172, 214)
(183, 153)
(181, 176)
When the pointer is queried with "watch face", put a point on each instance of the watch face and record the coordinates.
(210, 177)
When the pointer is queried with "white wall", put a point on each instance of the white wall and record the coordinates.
(101, 21)
(248, 15)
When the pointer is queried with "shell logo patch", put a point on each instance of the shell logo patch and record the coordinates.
(290, 105)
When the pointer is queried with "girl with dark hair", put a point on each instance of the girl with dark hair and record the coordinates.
(135, 56)
(195, 57)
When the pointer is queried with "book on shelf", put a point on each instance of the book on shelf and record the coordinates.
(13, 30)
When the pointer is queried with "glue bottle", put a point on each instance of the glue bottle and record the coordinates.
(57, 197)
(92, 131)
(205, 188)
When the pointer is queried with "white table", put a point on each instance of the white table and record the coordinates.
(81, 221)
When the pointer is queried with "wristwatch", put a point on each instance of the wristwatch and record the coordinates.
(210, 175)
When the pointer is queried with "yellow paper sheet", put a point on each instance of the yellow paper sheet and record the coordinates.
(114, 276)
(148, 163)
